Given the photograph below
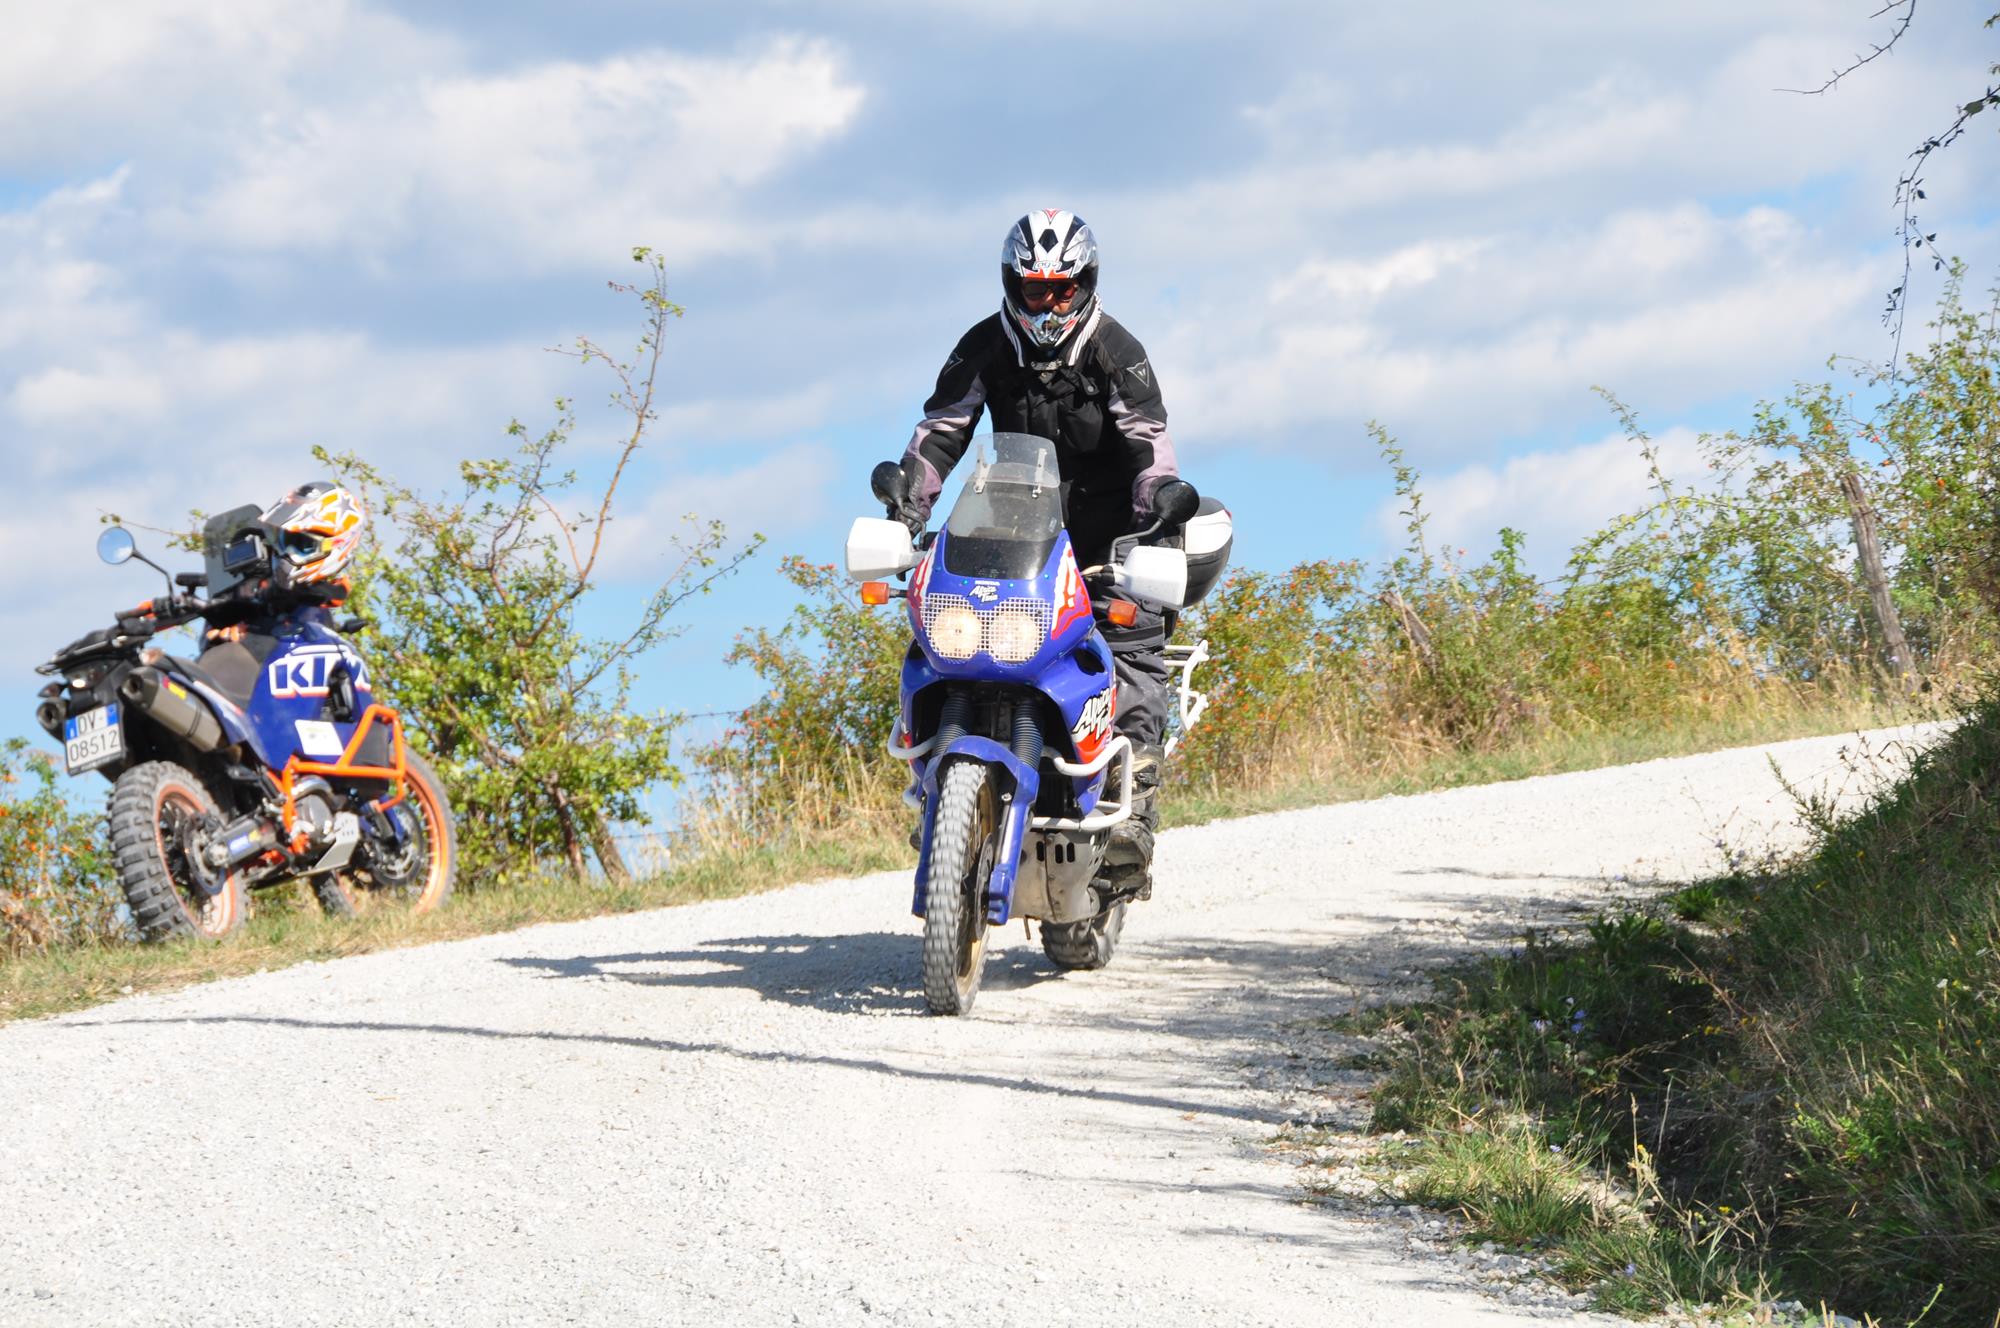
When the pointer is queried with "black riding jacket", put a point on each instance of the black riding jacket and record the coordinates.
(1096, 398)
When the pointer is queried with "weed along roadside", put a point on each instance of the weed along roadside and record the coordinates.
(1774, 1086)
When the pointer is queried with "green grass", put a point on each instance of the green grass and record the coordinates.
(1789, 1073)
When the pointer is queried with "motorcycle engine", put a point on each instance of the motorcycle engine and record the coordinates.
(314, 801)
(324, 824)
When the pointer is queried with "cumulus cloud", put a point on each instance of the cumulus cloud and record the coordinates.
(1471, 342)
(1555, 497)
(81, 80)
(553, 164)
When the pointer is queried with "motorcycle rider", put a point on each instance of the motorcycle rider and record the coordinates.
(1053, 363)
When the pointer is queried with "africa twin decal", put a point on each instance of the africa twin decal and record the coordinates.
(1093, 726)
(984, 591)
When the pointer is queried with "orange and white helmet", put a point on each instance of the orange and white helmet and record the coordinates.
(318, 527)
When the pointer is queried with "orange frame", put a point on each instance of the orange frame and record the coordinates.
(349, 766)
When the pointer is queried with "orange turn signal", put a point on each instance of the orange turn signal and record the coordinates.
(1122, 612)
(874, 592)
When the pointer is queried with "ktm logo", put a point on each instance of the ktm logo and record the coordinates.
(307, 671)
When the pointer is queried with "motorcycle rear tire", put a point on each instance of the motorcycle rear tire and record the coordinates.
(156, 812)
(963, 844)
(1084, 945)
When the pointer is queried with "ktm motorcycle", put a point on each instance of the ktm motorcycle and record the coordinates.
(265, 759)
(1009, 701)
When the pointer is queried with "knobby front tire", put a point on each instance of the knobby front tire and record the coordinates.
(963, 835)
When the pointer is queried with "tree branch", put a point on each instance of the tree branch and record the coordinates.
(1909, 8)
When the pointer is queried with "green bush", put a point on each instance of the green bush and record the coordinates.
(56, 884)
(480, 596)
(808, 755)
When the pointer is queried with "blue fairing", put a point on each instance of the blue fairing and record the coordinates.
(1072, 668)
(286, 716)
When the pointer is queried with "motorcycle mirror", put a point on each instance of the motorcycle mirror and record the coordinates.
(1175, 502)
(890, 484)
(116, 546)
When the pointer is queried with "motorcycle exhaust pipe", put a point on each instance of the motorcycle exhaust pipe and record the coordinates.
(172, 709)
(50, 715)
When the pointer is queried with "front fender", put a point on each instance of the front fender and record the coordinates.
(1022, 783)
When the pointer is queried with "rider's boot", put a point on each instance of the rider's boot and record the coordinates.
(1128, 855)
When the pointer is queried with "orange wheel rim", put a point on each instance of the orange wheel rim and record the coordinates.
(438, 871)
(215, 915)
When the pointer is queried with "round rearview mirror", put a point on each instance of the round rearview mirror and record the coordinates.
(1175, 502)
(115, 545)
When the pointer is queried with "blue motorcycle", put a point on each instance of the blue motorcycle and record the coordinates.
(264, 760)
(1009, 699)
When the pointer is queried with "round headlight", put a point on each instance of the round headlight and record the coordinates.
(955, 632)
(1014, 637)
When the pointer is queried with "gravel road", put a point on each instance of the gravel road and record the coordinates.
(738, 1112)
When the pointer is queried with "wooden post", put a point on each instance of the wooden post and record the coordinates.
(1877, 578)
(1413, 627)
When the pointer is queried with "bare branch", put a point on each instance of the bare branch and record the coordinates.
(1909, 8)
(1909, 192)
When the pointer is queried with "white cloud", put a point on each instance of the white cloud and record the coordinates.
(1468, 342)
(109, 75)
(778, 495)
(551, 165)
(1554, 497)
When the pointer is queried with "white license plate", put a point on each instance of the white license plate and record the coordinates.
(92, 739)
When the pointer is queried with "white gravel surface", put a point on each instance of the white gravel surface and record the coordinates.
(738, 1112)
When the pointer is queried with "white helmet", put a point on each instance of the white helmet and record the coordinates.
(1048, 266)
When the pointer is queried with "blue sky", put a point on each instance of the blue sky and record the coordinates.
(231, 229)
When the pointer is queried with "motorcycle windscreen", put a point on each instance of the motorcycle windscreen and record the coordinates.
(232, 546)
(1009, 515)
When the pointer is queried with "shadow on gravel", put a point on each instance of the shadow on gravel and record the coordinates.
(866, 973)
(1477, 874)
(669, 1046)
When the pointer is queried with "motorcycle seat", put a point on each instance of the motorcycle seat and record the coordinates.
(227, 667)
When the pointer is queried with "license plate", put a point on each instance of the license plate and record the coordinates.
(92, 739)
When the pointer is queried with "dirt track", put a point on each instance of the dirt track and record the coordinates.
(739, 1113)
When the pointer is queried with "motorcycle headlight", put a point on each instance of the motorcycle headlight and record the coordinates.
(954, 631)
(1014, 637)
